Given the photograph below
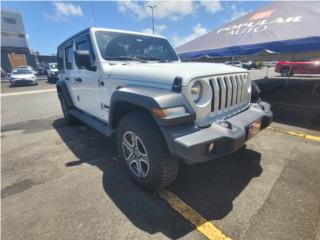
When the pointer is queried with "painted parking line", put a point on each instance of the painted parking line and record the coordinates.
(28, 92)
(306, 136)
(298, 134)
(203, 225)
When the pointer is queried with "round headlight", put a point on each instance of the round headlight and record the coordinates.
(196, 91)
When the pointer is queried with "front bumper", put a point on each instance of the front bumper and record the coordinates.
(53, 75)
(227, 136)
(23, 82)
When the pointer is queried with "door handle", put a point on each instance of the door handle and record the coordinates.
(66, 78)
(78, 80)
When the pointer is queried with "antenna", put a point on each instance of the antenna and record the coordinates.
(93, 14)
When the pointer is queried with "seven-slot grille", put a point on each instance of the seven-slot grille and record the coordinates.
(229, 93)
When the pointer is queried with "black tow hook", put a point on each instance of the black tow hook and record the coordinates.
(226, 124)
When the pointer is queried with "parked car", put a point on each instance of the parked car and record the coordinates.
(249, 65)
(29, 68)
(22, 76)
(161, 109)
(270, 63)
(286, 68)
(234, 63)
(41, 71)
(52, 72)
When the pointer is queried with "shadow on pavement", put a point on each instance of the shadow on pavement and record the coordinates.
(209, 188)
(297, 105)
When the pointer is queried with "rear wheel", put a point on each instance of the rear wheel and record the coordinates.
(69, 119)
(144, 152)
(50, 79)
(285, 72)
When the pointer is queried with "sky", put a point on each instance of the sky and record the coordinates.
(47, 23)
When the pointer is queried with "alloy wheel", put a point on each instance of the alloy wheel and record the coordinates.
(135, 154)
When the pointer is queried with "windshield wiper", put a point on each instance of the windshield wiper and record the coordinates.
(161, 60)
(125, 58)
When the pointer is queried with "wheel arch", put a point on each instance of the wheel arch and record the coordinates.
(62, 88)
(128, 99)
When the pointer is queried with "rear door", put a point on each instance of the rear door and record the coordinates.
(87, 80)
(70, 73)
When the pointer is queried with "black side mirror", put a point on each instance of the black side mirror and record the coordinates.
(82, 58)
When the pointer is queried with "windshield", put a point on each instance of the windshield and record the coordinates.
(21, 71)
(131, 47)
(53, 66)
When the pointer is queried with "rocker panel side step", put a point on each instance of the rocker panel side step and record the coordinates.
(92, 122)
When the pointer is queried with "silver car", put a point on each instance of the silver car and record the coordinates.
(22, 76)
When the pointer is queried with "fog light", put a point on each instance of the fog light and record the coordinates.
(210, 147)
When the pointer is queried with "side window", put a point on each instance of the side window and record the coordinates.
(60, 60)
(69, 57)
(84, 44)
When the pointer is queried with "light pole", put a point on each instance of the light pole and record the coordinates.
(152, 7)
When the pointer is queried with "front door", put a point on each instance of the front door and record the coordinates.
(87, 81)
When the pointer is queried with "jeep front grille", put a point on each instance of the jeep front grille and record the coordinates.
(229, 94)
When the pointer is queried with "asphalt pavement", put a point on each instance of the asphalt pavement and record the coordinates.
(66, 182)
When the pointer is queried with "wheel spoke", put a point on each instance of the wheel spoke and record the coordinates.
(135, 154)
(131, 136)
(127, 150)
(132, 160)
(144, 159)
(144, 166)
(135, 140)
(140, 147)
(140, 171)
(135, 167)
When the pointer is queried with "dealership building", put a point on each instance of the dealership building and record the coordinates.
(15, 50)
(14, 45)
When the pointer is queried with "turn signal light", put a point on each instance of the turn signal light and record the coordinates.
(210, 147)
(172, 112)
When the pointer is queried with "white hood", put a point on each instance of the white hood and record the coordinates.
(165, 73)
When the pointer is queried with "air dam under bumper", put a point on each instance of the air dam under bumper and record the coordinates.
(227, 136)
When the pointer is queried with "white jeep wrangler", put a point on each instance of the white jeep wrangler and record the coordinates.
(161, 109)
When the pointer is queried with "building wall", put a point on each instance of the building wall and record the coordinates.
(5, 63)
(12, 30)
(13, 39)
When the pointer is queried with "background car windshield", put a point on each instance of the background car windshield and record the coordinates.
(53, 66)
(122, 45)
(21, 71)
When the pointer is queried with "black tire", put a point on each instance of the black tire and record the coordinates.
(69, 119)
(163, 167)
(285, 72)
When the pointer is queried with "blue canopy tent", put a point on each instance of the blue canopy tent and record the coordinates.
(278, 27)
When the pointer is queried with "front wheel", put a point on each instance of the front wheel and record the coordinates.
(144, 152)
(69, 119)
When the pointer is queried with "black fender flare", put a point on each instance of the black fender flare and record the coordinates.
(149, 99)
(65, 92)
